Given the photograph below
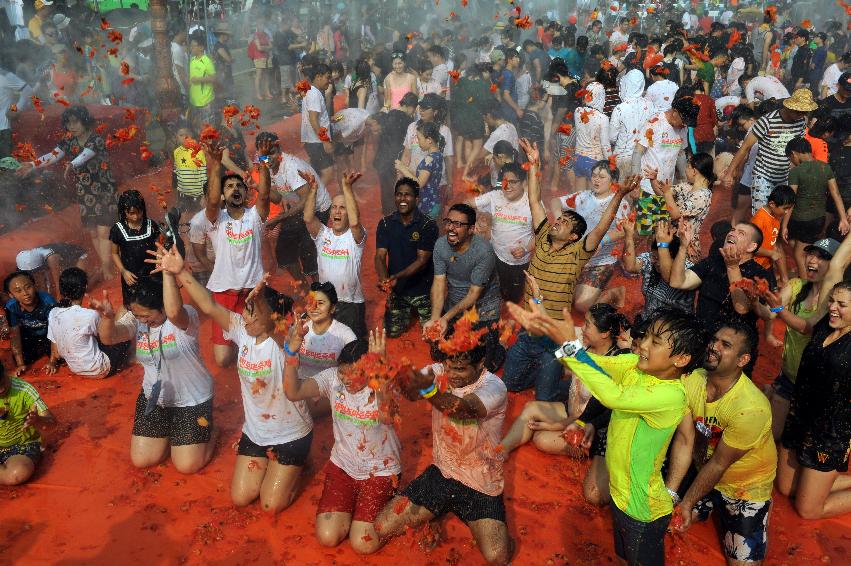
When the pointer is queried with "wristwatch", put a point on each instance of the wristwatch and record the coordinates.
(568, 349)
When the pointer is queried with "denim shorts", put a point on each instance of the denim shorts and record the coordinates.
(583, 166)
(783, 386)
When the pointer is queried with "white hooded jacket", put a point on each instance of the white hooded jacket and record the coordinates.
(629, 117)
(591, 125)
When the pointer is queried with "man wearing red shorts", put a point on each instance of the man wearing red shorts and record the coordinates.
(236, 233)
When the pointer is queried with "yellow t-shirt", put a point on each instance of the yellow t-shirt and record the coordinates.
(201, 94)
(742, 418)
(14, 407)
(189, 172)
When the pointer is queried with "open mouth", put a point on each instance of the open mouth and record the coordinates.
(731, 239)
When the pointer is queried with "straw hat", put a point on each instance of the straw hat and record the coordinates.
(801, 101)
(39, 4)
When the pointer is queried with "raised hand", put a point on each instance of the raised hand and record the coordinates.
(350, 177)
(685, 232)
(731, 254)
(531, 151)
(213, 151)
(378, 341)
(665, 231)
(630, 184)
(103, 306)
(167, 261)
(255, 292)
(311, 180)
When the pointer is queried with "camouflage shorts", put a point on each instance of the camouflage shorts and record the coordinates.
(397, 314)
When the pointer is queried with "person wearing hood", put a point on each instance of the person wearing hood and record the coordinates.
(628, 117)
(592, 134)
(662, 90)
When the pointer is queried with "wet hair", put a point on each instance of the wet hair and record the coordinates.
(225, 178)
(362, 69)
(147, 293)
(81, 114)
(15, 275)
(490, 107)
(742, 112)
(804, 34)
(685, 333)
(614, 174)
(782, 195)
(824, 125)
(798, 145)
(318, 69)
(579, 223)
(607, 319)
(278, 303)
(326, 289)
(704, 164)
(131, 199)
(638, 330)
(407, 182)
(198, 37)
(431, 131)
(688, 110)
(73, 283)
(438, 104)
(607, 77)
(751, 340)
(265, 136)
(466, 210)
(515, 168)
(410, 99)
(436, 50)
(504, 147)
(352, 352)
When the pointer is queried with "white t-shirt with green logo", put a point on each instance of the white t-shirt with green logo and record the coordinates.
(270, 418)
(238, 247)
(339, 259)
(511, 227)
(166, 352)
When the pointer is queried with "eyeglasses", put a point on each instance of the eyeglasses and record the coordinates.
(510, 181)
(449, 223)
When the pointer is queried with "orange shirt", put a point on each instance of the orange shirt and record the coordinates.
(770, 228)
(819, 147)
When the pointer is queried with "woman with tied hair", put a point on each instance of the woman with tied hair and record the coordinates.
(89, 167)
(398, 82)
(430, 170)
(592, 134)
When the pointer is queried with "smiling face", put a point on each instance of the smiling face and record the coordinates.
(458, 229)
(839, 308)
(321, 309)
(817, 265)
(398, 66)
(742, 238)
(23, 290)
(562, 229)
(406, 200)
(726, 352)
(460, 372)
(234, 192)
(258, 317)
(339, 219)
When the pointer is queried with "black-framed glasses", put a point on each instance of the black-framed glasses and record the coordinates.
(449, 223)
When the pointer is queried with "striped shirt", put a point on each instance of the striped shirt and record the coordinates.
(556, 268)
(773, 133)
(190, 173)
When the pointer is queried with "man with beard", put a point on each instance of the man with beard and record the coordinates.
(733, 451)
(339, 247)
(236, 232)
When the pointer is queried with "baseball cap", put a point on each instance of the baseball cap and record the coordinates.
(844, 81)
(30, 260)
(827, 246)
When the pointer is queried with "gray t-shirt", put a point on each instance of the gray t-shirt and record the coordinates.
(475, 266)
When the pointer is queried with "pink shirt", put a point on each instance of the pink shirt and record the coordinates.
(465, 450)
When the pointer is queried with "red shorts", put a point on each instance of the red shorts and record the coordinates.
(364, 499)
(233, 301)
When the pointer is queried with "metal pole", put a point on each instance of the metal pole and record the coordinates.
(164, 83)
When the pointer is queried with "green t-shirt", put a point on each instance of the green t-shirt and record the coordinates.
(706, 73)
(645, 413)
(16, 405)
(201, 94)
(794, 342)
(811, 177)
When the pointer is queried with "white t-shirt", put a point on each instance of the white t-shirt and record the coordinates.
(465, 450)
(270, 418)
(12, 89)
(238, 249)
(505, 131)
(661, 94)
(177, 353)
(511, 227)
(724, 102)
(179, 59)
(830, 79)
(591, 208)
(198, 235)
(74, 330)
(592, 136)
(339, 259)
(440, 74)
(736, 70)
(618, 38)
(313, 101)
(417, 154)
(625, 124)
(286, 180)
(363, 445)
(763, 88)
(660, 154)
(320, 351)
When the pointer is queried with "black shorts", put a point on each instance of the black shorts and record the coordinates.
(512, 280)
(825, 455)
(352, 315)
(319, 159)
(294, 244)
(69, 254)
(31, 450)
(638, 542)
(117, 354)
(441, 495)
(293, 453)
(181, 425)
(807, 231)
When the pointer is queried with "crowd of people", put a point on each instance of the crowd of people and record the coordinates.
(525, 172)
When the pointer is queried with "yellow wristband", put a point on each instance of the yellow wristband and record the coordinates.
(430, 392)
(579, 422)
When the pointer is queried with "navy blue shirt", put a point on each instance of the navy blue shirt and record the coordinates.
(402, 244)
(33, 325)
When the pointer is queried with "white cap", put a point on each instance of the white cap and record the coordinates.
(30, 260)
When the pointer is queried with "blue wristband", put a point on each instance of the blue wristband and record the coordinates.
(537, 301)
(288, 351)
(428, 392)
(778, 309)
(663, 244)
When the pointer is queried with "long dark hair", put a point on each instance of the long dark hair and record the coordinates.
(147, 293)
(131, 199)
(431, 131)
(607, 319)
